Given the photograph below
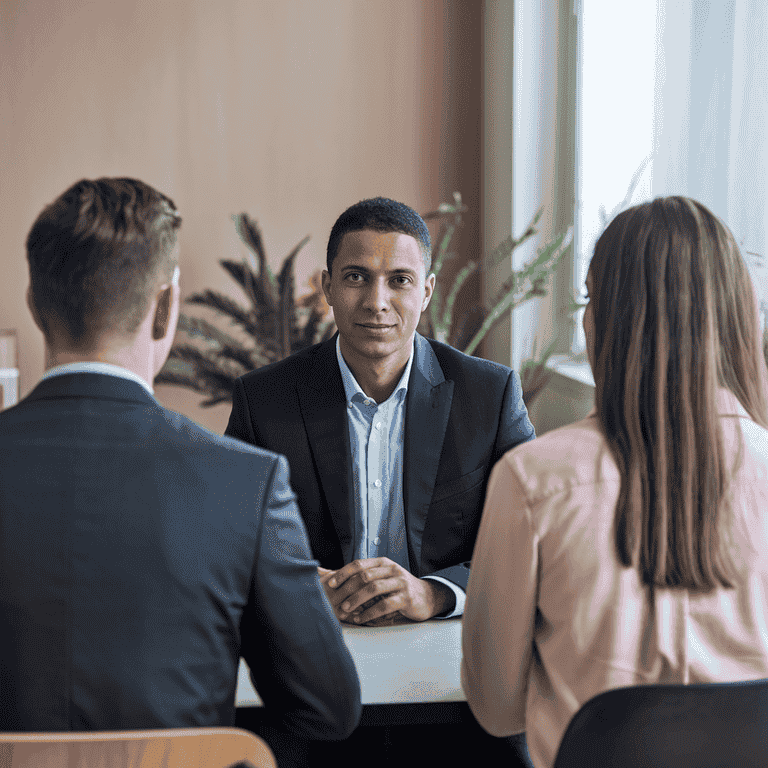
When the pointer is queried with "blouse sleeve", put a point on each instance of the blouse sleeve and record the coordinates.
(497, 629)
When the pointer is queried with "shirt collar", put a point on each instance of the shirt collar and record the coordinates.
(352, 388)
(94, 367)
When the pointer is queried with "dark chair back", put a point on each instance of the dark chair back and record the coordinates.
(707, 725)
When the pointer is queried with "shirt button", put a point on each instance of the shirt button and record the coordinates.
(378, 425)
(377, 483)
(349, 405)
(376, 540)
(367, 402)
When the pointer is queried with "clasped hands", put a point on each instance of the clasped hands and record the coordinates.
(375, 590)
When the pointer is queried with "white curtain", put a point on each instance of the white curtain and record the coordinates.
(692, 115)
(711, 116)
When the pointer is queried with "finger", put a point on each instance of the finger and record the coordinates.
(382, 611)
(363, 579)
(358, 566)
(325, 575)
(334, 599)
(376, 588)
(385, 621)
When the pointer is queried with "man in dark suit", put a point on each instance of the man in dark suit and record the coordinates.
(390, 436)
(141, 555)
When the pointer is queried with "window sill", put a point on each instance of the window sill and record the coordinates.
(569, 395)
(567, 366)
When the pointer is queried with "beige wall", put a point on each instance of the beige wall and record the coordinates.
(289, 110)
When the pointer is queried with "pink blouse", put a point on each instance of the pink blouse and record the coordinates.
(552, 618)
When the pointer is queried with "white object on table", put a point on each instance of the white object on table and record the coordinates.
(404, 664)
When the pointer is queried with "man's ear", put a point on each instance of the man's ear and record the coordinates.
(162, 317)
(33, 310)
(429, 287)
(326, 283)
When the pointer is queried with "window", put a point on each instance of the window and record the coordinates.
(614, 120)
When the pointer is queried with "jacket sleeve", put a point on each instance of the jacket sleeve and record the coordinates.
(514, 427)
(291, 639)
(240, 425)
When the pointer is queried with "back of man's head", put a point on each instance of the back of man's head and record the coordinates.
(95, 255)
(381, 215)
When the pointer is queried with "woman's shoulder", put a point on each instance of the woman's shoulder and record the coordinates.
(752, 451)
(573, 455)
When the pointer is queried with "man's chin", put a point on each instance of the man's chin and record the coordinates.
(377, 346)
(373, 349)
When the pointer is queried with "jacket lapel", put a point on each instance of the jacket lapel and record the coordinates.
(426, 419)
(323, 409)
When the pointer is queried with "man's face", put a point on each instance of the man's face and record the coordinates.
(378, 291)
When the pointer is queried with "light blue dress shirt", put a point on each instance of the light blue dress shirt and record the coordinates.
(376, 442)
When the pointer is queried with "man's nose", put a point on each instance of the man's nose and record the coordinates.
(377, 297)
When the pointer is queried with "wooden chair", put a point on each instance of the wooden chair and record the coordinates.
(173, 748)
(703, 725)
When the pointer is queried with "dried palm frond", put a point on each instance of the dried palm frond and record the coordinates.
(275, 322)
(225, 306)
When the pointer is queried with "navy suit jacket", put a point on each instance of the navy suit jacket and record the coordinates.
(462, 414)
(140, 556)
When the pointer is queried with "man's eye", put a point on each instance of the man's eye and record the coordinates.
(402, 280)
(354, 277)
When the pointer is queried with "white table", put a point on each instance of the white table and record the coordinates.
(413, 703)
(404, 664)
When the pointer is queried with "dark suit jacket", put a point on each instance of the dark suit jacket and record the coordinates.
(462, 414)
(140, 555)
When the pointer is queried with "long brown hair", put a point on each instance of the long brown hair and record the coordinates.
(675, 317)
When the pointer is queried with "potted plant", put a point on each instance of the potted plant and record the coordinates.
(467, 331)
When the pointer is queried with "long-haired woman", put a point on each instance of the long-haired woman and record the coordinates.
(632, 547)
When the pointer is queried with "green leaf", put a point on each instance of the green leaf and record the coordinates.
(505, 248)
(442, 250)
(523, 285)
(458, 283)
(446, 209)
(525, 282)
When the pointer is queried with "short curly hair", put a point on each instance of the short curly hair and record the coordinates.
(381, 215)
(94, 255)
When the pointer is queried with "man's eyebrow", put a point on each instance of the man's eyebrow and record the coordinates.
(366, 271)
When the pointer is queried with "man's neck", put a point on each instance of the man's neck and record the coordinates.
(377, 378)
(56, 357)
